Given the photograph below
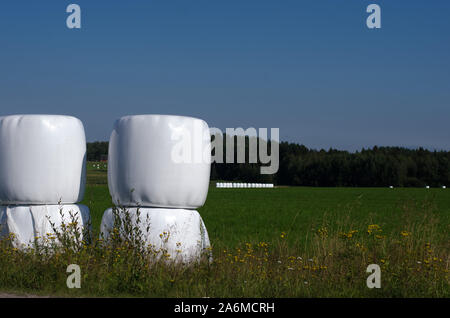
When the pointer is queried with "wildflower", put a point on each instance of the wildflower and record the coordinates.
(405, 233)
(283, 235)
(323, 232)
(349, 234)
(373, 228)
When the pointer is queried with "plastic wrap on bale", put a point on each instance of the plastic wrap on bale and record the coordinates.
(42, 159)
(30, 224)
(175, 234)
(159, 167)
(142, 169)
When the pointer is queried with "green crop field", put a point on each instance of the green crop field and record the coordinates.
(236, 215)
(280, 242)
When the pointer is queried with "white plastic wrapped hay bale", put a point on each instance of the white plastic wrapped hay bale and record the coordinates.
(159, 161)
(175, 234)
(28, 223)
(42, 159)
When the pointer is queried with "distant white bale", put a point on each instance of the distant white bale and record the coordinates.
(179, 233)
(391, 187)
(159, 161)
(443, 187)
(271, 185)
(30, 222)
(427, 187)
(42, 159)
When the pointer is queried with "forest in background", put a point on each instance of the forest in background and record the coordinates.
(301, 166)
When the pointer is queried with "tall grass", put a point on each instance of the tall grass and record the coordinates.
(327, 260)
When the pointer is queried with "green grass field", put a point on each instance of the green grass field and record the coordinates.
(281, 242)
(236, 215)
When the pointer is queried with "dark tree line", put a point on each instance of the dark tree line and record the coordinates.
(299, 165)
(97, 151)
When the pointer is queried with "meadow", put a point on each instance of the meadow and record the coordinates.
(281, 242)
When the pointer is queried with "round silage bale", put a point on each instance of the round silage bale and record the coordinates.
(159, 161)
(175, 234)
(42, 159)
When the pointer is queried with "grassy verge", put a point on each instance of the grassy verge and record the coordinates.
(327, 260)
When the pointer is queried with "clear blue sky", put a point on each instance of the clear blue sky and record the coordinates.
(311, 68)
